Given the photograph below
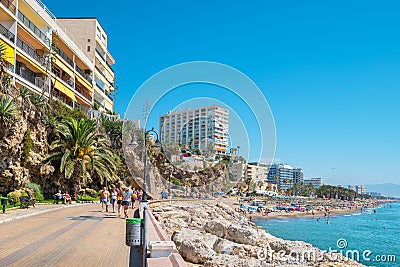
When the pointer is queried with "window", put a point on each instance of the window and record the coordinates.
(88, 48)
(88, 40)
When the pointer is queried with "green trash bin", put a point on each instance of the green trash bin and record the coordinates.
(4, 201)
(133, 232)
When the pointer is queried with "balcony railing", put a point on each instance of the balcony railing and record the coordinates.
(29, 50)
(29, 76)
(9, 35)
(62, 98)
(33, 27)
(84, 75)
(8, 4)
(83, 93)
(64, 56)
(103, 56)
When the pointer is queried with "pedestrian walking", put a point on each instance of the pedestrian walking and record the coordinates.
(104, 196)
(125, 201)
(119, 201)
(113, 199)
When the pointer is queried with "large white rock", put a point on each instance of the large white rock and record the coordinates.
(224, 246)
(242, 235)
(218, 228)
(193, 245)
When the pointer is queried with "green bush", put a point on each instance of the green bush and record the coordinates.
(36, 188)
(91, 192)
(13, 197)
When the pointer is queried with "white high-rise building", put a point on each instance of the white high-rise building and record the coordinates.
(204, 128)
(315, 182)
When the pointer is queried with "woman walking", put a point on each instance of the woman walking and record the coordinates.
(119, 201)
(113, 198)
(125, 201)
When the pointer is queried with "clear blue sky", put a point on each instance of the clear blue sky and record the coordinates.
(330, 70)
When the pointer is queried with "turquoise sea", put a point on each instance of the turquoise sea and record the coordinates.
(364, 231)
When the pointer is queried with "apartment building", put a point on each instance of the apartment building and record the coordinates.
(361, 190)
(44, 57)
(284, 175)
(92, 38)
(316, 182)
(204, 128)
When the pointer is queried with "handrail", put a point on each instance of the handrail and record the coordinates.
(64, 56)
(29, 50)
(9, 5)
(6, 32)
(33, 27)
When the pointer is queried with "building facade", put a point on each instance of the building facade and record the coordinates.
(284, 175)
(361, 190)
(203, 128)
(315, 182)
(42, 56)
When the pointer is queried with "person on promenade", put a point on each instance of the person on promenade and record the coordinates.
(58, 197)
(125, 201)
(66, 198)
(104, 195)
(113, 199)
(134, 197)
(119, 201)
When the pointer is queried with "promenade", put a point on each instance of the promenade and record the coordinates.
(71, 235)
(62, 235)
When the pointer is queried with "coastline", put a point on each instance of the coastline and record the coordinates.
(212, 233)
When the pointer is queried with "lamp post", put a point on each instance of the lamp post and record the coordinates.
(144, 200)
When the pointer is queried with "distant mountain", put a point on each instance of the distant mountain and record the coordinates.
(389, 189)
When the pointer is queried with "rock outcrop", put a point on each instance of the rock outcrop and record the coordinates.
(213, 234)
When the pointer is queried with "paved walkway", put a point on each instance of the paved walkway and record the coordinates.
(62, 235)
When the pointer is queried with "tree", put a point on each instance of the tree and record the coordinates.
(80, 151)
(8, 111)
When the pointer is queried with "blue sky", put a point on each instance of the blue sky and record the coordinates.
(328, 69)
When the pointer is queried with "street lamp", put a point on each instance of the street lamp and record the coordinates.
(133, 253)
(144, 201)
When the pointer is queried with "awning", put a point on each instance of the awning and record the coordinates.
(64, 67)
(8, 53)
(32, 63)
(84, 83)
(64, 89)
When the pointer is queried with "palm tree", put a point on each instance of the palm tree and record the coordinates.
(8, 111)
(80, 150)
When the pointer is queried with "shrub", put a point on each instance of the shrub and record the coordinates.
(13, 197)
(91, 192)
(36, 188)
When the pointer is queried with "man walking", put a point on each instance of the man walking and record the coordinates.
(104, 196)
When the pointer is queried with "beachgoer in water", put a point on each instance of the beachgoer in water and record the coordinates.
(318, 219)
(328, 222)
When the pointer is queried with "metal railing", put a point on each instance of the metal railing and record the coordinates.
(83, 93)
(62, 98)
(100, 54)
(33, 27)
(45, 9)
(84, 75)
(9, 35)
(9, 5)
(64, 56)
(30, 77)
(29, 50)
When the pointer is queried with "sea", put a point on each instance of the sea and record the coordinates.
(373, 236)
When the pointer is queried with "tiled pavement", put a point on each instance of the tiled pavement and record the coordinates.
(79, 235)
(70, 235)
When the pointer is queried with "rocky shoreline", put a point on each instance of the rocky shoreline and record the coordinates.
(212, 234)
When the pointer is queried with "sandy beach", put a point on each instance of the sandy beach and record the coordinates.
(320, 208)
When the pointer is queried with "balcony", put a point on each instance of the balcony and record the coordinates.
(62, 98)
(30, 77)
(33, 28)
(103, 56)
(64, 56)
(8, 4)
(83, 93)
(29, 50)
(86, 76)
(6, 33)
